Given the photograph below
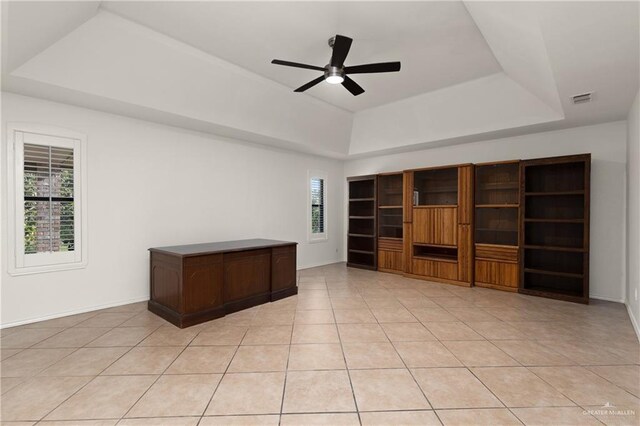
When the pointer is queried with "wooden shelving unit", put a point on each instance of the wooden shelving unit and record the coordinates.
(555, 227)
(361, 235)
(437, 224)
(497, 203)
(390, 199)
(513, 225)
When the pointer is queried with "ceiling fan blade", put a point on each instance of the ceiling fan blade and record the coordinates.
(373, 68)
(352, 86)
(341, 46)
(296, 64)
(309, 84)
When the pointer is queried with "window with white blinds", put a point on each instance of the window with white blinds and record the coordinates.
(48, 199)
(317, 207)
(46, 181)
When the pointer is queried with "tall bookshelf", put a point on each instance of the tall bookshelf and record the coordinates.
(554, 223)
(497, 203)
(438, 224)
(390, 200)
(361, 236)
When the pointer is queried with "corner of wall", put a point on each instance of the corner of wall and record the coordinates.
(633, 215)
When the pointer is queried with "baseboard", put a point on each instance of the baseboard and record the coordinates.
(607, 299)
(124, 302)
(74, 312)
(634, 321)
(316, 265)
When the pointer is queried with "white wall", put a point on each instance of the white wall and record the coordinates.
(633, 213)
(487, 104)
(152, 185)
(607, 145)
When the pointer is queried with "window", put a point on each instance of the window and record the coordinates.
(317, 203)
(48, 213)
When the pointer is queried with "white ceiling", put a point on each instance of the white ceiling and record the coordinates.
(437, 43)
(470, 71)
(24, 37)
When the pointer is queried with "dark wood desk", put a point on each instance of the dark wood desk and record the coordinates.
(195, 283)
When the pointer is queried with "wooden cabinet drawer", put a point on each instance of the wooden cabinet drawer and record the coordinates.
(434, 268)
(390, 244)
(504, 253)
(497, 273)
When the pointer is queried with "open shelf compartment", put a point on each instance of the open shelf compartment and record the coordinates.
(559, 285)
(554, 262)
(438, 187)
(362, 189)
(555, 177)
(432, 252)
(554, 207)
(568, 235)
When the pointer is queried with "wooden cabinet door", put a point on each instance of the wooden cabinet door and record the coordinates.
(435, 225)
(166, 281)
(202, 288)
(497, 273)
(247, 274)
(283, 268)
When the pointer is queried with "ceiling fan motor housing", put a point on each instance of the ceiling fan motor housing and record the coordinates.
(333, 71)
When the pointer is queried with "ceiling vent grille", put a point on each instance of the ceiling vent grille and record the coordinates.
(582, 98)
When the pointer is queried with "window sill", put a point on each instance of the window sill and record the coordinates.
(315, 240)
(31, 270)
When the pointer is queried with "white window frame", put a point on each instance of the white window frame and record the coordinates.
(18, 262)
(324, 236)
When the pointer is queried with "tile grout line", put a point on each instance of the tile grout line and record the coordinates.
(567, 396)
(286, 368)
(495, 396)
(344, 358)
(160, 375)
(408, 369)
(223, 375)
(92, 378)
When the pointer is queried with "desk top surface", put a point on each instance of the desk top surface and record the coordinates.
(220, 247)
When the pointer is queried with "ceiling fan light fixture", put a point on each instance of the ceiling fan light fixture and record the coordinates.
(334, 75)
(335, 72)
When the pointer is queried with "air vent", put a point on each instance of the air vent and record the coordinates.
(582, 98)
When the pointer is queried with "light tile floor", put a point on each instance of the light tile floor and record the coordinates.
(354, 347)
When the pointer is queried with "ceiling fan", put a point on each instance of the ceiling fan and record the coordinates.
(335, 72)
